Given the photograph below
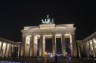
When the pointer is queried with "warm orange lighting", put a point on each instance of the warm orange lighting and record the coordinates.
(45, 53)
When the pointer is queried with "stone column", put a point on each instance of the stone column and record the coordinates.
(62, 43)
(41, 45)
(23, 45)
(79, 51)
(5, 50)
(10, 50)
(54, 44)
(86, 48)
(7, 53)
(89, 48)
(33, 45)
(20, 50)
(12, 46)
(87, 42)
(71, 44)
(29, 49)
(93, 44)
(1, 49)
(74, 48)
(0, 46)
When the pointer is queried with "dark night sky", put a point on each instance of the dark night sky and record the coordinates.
(15, 15)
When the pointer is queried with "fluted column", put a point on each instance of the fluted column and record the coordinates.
(74, 48)
(31, 46)
(89, 49)
(1, 49)
(40, 45)
(10, 50)
(87, 42)
(43, 44)
(93, 44)
(86, 48)
(78, 51)
(71, 44)
(41, 53)
(35, 44)
(5, 50)
(63, 44)
(33, 52)
(54, 44)
(0, 46)
(23, 45)
(20, 51)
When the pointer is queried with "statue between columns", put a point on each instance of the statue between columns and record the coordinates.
(47, 20)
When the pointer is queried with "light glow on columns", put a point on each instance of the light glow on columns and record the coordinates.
(43, 43)
(70, 39)
(35, 40)
(71, 42)
(67, 35)
(7, 49)
(0, 47)
(0, 44)
(28, 39)
(94, 40)
(91, 45)
(4, 45)
(90, 42)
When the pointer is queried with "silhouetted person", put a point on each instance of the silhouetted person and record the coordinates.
(55, 59)
(68, 58)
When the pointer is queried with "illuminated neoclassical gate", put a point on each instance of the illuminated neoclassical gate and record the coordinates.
(34, 38)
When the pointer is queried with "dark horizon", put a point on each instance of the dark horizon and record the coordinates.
(15, 15)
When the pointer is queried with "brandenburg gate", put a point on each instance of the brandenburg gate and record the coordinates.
(34, 38)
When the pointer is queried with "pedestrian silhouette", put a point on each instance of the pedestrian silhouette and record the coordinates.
(55, 59)
(68, 58)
